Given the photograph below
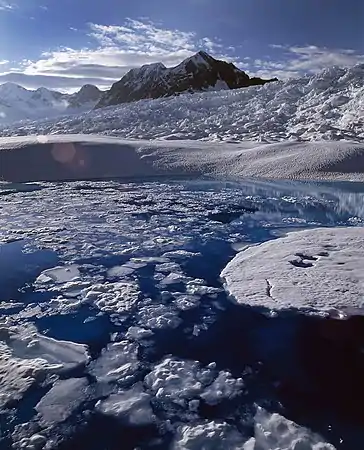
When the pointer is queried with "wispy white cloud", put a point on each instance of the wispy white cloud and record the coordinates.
(294, 61)
(117, 49)
(6, 6)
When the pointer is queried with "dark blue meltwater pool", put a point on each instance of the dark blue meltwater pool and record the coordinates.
(118, 331)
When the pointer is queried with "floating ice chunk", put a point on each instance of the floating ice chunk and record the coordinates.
(273, 431)
(62, 400)
(150, 260)
(223, 388)
(120, 271)
(132, 406)
(52, 354)
(159, 317)
(174, 278)
(138, 333)
(118, 361)
(25, 356)
(111, 298)
(16, 376)
(317, 271)
(168, 268)
(59, 274)
(70, 288)
(177, 380)
(179, 255)
(198, 287)
(180, 381)
(209, 436)
(38, 440)
(125, 270)
(185, 302)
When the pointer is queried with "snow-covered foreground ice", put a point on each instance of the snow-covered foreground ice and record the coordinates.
(80, 157)
(115, 326)
(326, 106)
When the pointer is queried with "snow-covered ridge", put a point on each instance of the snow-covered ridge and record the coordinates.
(60, 157)
(326, 106)
(18, 103)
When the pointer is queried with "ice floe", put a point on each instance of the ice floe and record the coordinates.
(317, 271)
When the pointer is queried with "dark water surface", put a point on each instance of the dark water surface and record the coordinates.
(308, 369)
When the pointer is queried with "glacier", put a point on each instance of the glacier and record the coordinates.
(326, 106)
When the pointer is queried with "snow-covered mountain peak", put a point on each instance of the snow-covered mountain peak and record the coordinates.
(199, 72)
(12, 91)
(199, 59)
(11, 87)
(146, 71)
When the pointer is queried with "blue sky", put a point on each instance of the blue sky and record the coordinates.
(63, 44)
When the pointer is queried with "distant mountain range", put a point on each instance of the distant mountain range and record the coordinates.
(18, 103)
(200, 72)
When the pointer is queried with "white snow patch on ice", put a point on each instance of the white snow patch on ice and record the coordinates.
(317, 271)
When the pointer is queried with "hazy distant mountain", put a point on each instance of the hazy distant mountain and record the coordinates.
(18, 103)
(197, 73)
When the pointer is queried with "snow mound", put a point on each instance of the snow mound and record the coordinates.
(326, 106)
(317, 271)
(68, 157)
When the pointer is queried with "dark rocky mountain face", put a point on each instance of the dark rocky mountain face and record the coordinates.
(198, 73)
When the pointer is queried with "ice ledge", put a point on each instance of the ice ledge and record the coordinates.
(77, 157)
